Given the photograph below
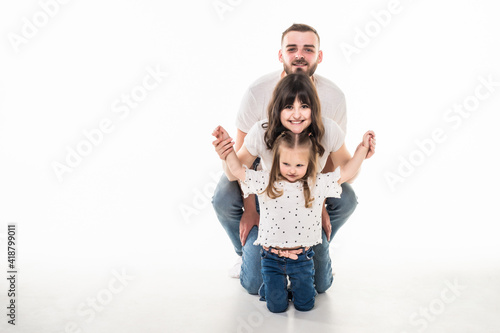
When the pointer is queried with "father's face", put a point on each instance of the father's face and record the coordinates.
(300, 52)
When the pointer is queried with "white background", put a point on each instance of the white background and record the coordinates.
(140, 200)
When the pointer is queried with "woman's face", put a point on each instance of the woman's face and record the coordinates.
(296, 117)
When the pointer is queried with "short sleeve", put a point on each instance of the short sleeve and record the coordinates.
(341, 116)
(334, 135)
(247, 114)
(327, 184)
(253, 106)
(252, 140)
(255, 182)
(333, 103)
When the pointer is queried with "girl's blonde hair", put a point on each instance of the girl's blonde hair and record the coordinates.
(291, 140)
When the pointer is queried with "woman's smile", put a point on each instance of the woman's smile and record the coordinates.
(296, 117)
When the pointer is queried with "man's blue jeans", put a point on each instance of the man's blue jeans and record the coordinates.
(300, 271)
(228, 205)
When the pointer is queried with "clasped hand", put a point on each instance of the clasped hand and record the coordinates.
(369, 142)
(223, 143)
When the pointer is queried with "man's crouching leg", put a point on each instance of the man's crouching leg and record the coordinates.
(251, 276)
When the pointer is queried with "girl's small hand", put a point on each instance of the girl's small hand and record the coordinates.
(223, 143)
(220, 133)
(369, 142)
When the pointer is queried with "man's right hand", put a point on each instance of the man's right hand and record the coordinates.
(249, 218)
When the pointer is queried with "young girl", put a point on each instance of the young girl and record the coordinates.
(291, 200)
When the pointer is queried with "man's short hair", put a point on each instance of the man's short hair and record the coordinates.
(300, 28)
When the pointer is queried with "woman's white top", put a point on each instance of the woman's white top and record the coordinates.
(285, 221)
(332, 140)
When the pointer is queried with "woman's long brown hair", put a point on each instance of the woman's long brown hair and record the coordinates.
(290, 140)
(286, 91)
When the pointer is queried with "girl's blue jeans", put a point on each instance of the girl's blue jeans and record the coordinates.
(300, 271)
(228, 204)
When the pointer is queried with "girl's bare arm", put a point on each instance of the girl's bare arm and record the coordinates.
(350, 166)
(233, 164)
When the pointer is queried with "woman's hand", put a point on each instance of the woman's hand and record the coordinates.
(223, 143)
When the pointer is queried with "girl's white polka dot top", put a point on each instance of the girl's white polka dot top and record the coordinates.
(285, 221)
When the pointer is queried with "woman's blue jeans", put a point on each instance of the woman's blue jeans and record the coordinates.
(228, 205)
(300, 271)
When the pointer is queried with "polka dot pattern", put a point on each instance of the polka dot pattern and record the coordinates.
(285, 221)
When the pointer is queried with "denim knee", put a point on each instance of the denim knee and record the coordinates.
(322, 285)
(323, 278)
(340, 209)
(251, 285)
(277, 308)
(302, 281)
(346, 204)
(276, 297)
(277, 301)
(271, 304)
(305, 307)
(251, 276)
(227, 199)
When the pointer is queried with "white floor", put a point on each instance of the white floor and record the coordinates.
(186, 289)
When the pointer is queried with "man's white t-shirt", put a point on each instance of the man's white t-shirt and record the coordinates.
(254, 142)
(254, 105)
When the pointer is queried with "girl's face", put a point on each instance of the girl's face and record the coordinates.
(296, 117)
(293, 163)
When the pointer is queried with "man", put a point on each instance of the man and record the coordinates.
(300, 51)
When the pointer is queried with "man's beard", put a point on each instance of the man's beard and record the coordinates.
(310, 71)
